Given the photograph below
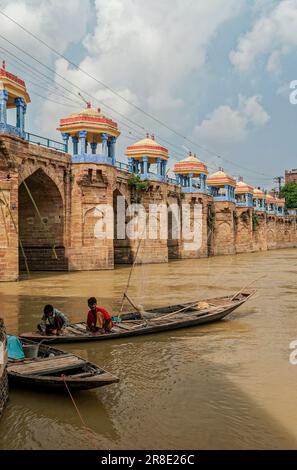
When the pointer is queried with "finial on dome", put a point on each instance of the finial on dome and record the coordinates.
(89, 104)
(221, 168)
(147, 135)
(3, 64)
(99, 110)
(240, 178)
(153, 136)
(190, 153)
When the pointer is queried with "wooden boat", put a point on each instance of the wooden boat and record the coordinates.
(161, 319)
(52, 368)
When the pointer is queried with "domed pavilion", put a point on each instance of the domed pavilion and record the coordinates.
(221, 186)
(148, 159)
(243, 194)
(13, 95)
(93, 136)
(191, 174)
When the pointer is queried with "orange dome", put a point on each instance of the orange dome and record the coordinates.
(258, 193)
(220, 178)
(242, 188)
(270, 199)
(147, 147)
(15, 87)
(90, 120)
(190, 164)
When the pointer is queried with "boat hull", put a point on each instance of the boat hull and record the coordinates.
(191, 320)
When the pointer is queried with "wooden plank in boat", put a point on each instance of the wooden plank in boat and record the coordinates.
(72, 330)
(80, 327)
(47, 365)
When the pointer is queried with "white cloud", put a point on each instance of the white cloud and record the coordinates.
(226, 125)
(273, 35)
(147, 50)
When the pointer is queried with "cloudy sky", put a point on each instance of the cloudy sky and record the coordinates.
(217, 72)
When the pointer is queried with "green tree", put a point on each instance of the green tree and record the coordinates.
(289, 192)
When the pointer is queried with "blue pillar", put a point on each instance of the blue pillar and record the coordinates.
(226, 192)
(112, 150)
(145, 165)
(20, 114)
(190, 180)
(159, 166)
(75, 145)
(130, 163)
(104, 138)
(65, 138)
(164, 163)
(82, 141)
(3, 104)
(93, 147)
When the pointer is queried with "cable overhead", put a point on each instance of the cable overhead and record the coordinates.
(77, 67)
(205, 149)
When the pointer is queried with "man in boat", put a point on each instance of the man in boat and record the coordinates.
(98, 320)
(53, 321)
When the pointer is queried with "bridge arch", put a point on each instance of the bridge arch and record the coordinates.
(42, 223)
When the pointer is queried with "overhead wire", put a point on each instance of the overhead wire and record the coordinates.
(116, 93)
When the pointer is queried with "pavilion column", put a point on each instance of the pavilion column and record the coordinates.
(75, 145)
(21, 108)
(104, 138)
(203, 183)
(82, 141)
(93, 147)
(159, 166)
(145, 165)
(163, 167)
(190, 180)
(3, 106)
(65, 138)
(226, 192)
(112, 153)
(130, 163)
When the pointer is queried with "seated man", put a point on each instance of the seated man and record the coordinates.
(98, 321)
(52, 322)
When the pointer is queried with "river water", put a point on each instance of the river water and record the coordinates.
(229, 385)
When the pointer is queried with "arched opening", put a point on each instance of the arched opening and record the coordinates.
(121, 243)
(41, 224)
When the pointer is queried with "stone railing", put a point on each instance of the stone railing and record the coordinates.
(49, 143)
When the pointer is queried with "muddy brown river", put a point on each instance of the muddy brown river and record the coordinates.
(229, 385)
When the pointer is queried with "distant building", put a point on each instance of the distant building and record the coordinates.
(291, 175)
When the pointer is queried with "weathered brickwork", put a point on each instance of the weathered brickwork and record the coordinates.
(55, 209)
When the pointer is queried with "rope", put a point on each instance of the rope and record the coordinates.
(132, 267)
(73, 401)
(50, 238)
(16, 230)
(86, 428)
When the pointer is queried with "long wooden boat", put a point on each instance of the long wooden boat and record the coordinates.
(172, 317)
(52, 368)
